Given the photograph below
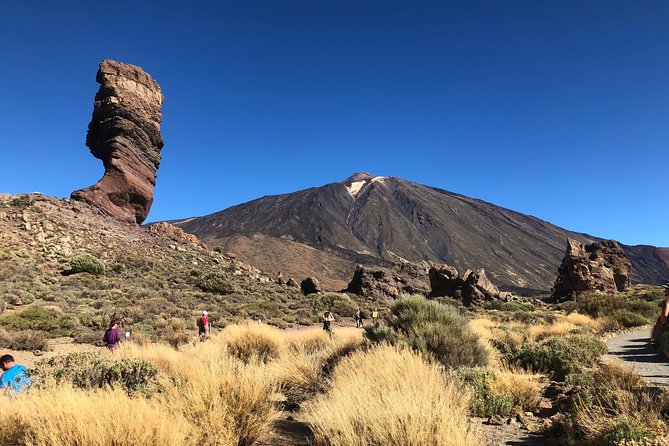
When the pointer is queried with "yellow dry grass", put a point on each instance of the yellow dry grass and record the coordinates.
(64, 416)
(389, 396)
(523, 387)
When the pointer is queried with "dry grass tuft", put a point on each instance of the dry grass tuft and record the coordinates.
(390, 396)
(64, 416)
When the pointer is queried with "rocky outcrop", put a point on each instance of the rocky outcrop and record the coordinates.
(175, 233)
(601, 267)
(125, 134)
(377, 282)
(473, 288)
(310, 285)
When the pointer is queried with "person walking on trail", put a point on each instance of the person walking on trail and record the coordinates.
(112, 335)
(203, 325)
(661, 329)
(14, 380)
(328, 319)
(375, 317)
(359, 317)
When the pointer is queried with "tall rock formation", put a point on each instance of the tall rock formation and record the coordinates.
(380, 283)
(601, 267)
(125, 134)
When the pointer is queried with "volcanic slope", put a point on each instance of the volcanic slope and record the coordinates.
(378, 220)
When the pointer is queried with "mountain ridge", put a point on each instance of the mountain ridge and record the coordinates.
(371, 220)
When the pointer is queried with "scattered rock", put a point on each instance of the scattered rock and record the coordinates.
(496, 420)
(600, 266)
(377, 282)
(472, 288)
(292, 283)
(280, 279)
(175, 233)
(125, 134)
(545, 409)
(310, 285)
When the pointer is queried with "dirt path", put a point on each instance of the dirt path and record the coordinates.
(636, 352)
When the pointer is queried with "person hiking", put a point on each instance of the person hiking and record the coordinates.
(661, 329)
(14, 380)
(112, 335)
(375, 317)
(203, 325)
(328, 319)
(358, 318)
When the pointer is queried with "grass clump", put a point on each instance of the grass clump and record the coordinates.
(433, 328)
(86, 263)
(253, 342)
(87, 370)
(623, 311)
(65, 416)
(389, 396)
(487, 396)
(626, 432)
(560, 355)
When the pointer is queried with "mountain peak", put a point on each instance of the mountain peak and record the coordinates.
(358, 176)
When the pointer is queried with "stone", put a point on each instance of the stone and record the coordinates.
(496, 420)
(292, 283)
(175, 233)
(377, 282)
(310, 285)
(600, 267)
(473, 287)
(545, 409)
(444, 280)
(125, 134)
(280, 279)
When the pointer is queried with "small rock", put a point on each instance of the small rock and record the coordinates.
(496, 420)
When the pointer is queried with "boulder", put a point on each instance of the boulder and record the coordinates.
(280, 279)
(378, 282)
(472, 288)
(292, 283)
(125, 134)
(310, 285)
(600, 267)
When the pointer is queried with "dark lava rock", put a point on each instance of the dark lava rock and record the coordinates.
(310, 285)
(377, 282)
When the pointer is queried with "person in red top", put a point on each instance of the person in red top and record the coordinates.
(203, 325)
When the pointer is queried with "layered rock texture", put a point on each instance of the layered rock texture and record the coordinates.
(601, 267)
(473, 287)
(377, 282)
(125, 134)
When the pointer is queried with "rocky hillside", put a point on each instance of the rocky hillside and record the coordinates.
(379, 220)
(156, 279)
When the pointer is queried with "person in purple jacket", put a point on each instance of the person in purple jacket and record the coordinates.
(112, 335)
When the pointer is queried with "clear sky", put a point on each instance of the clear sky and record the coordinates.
(558, 109)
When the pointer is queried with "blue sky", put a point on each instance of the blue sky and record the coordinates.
(554, 109)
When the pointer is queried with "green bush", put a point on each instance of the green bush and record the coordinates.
(44, 319)
(560, 355)
(627, 318)
(436, 329)
(337, 303)
(216, 282)
(86, 263)
(516, 306)
(90, 370)
(484, 401)
(621, 309)
(627, 432)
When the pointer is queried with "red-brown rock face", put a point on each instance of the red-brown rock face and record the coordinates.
(125, 134)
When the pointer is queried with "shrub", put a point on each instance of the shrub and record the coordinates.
(86, 263)
(516, 306)
(46, 319)
(619, 308)
(627, 318)
(486, 396)
(253, 342)
(28, 341)
(560, 355)
(435, 329)
(626, 431)
(389, 396)
(90, 370)
(337, 303)
(216, 282)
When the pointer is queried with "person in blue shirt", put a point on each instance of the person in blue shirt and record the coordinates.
(14, 379)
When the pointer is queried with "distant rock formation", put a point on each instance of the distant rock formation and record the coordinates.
(125, 134)
(473, 288)
(600, 266)
(377, 282)
(175, 233)
(310, 285)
